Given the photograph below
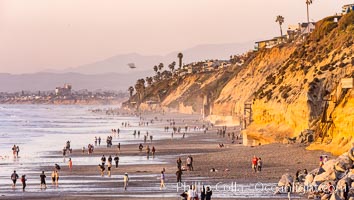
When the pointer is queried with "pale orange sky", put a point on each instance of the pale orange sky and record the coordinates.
(55, 34)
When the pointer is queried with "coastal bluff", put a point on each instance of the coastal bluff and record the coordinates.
(278, 94)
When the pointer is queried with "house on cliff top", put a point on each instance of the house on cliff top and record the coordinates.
(347, 8)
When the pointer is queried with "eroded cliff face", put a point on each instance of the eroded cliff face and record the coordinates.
(297, 87)
(290, 88)
(241, 88)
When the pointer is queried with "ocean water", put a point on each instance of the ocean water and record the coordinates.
(41, 130)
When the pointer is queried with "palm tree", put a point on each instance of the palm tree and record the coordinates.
(160, 66)
(280, 20)
(139, 88)
(172, 66)
(131, 90)
(308, 2)
(156, 68)
(149, 81)
(180, 56)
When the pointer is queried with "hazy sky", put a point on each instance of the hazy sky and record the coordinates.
(56, 34)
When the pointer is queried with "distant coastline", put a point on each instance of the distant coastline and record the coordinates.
(66, 101)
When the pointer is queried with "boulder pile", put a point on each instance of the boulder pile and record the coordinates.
(332, 180)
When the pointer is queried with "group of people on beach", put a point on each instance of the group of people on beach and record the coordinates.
(67, 149)
(109, 141)
(90, 149)
(54, 175)
(15, 151)
(42, 178)
(257, 164)
(125, 124)
(109, 160)
(98, 140)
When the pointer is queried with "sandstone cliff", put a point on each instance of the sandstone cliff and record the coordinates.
(289, 89)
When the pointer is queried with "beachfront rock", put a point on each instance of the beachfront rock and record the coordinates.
(311, 196)
(329, 164)
(323, 186)
(315, 171)
(351, 174)
(308, 179)
(335, 197)
(344, 161)
(325, 176)
(286, 178)
(325, 197)
(341, 183)
(340, 166)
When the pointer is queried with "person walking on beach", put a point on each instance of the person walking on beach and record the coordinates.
(14, 150)
(102, 168)
(53, 177)
(259, 164)
(208, 194)
(289, 189)
(150, 138)
(188, 161)
(17, 150)
(147, 151)
(83, 149)
(153, 150)
(23, 180)
(162, 179)
(64, 152)
(202, 193)
(192, 169)
(179, 176)
(109, 166)
(116, 159)
(57, 178)
(118, 146)
(42, 178)
(57, 167)
(254, 163)
(110, 159)
(103, 160)
(95, 141)
(14, 177)
(179, 163)
(125, 180)
(70, 164)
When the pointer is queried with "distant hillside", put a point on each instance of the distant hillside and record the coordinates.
(48, 81)
(118, 64)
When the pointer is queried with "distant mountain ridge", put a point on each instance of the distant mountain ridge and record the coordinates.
(118, 63)
(49, 81)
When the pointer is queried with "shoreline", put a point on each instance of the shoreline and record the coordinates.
(206, 153)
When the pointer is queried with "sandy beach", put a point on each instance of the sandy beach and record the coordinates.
(232, 179)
